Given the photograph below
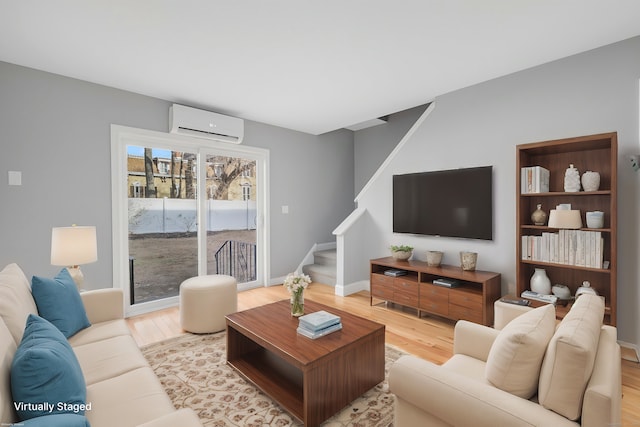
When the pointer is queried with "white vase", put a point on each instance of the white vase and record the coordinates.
(540, 282)
(571, 179)
(590, 181)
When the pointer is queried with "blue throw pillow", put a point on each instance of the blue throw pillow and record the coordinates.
(58, 301)
(57, 420)
(46, 377)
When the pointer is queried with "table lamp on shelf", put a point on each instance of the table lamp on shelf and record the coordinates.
(567, 219)
(73, 246)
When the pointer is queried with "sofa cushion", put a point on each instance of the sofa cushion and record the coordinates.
(16, 302)
(57, 420)
(570, 357)
(136, 397)
(46, 370)
(516, 355)
(109, 358)
(100, 331)
(58, 301)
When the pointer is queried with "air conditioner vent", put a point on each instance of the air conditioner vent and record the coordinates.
(205, 124)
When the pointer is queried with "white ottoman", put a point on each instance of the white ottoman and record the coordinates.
(205, 301)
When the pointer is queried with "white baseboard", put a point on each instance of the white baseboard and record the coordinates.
(352, 288)
(246, 287)
(274, 281)
(631, 347)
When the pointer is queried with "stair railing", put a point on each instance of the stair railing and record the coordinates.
(237, 259)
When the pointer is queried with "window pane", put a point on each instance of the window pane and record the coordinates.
(162, 207)
(231, 217)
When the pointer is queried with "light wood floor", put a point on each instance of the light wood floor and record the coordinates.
(430, 338)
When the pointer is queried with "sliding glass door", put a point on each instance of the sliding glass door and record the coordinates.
(184, 207)
(232, 217)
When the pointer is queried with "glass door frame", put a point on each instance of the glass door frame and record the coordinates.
(123, 136)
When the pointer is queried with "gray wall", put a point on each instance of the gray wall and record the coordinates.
(56, 130)
(590, 93)
(373, 145)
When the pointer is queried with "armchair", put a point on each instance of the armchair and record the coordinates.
(575, 385)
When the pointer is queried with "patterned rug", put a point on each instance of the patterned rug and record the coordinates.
(194, 373)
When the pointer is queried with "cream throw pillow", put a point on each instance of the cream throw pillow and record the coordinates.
(16, 302)
(516, 355)
(570, 357)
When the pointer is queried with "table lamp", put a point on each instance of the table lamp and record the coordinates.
(72, 246)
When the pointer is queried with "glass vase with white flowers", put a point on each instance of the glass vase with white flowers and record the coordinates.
(296, 284)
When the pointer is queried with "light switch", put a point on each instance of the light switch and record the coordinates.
(15, 178)
(285, 209)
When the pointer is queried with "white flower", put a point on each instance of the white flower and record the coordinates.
(296, 282)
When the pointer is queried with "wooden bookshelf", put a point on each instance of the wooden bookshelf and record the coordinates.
(597, 153)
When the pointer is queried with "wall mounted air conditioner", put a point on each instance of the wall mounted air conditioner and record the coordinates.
(205, 124)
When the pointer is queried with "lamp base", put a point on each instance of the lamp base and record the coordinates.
(76, 275)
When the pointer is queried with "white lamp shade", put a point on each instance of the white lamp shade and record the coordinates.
(568, 219)
(73, 245)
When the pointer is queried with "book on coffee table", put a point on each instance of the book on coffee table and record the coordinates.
(320, 332)
(318, 320)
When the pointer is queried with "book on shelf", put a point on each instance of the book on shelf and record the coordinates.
(534, 179)
(318, 320)
(395, 273)
(320, 332)
(581, 248)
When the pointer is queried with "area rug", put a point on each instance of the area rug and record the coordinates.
(194, 373)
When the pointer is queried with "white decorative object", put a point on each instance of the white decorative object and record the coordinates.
(561, 291)
(590, 181)
(540, 282)
(595, 219)
(571, 179)
(468, 260)
(585, 289)
(434, 258)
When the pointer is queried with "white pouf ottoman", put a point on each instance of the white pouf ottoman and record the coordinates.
(205, 301)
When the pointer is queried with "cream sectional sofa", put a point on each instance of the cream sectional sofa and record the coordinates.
(531, 373)
(120, 386)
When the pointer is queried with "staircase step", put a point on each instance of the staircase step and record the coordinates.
(325, 257)
(325, 274)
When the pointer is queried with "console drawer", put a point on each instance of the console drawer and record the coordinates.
(405, 292)
(466, 298)
(465, 313)
(381, 279)
(434, 299)
(382, 287)
(465, 304)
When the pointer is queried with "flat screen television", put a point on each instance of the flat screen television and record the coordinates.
(448, 203)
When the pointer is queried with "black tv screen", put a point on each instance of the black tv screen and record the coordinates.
(449, 203)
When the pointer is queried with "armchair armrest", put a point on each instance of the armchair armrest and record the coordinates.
(473, 340)
(602, 404)
(185, 417)
(459, 401)
(103, 304)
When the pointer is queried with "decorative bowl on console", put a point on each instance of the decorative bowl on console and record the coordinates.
(401, 253)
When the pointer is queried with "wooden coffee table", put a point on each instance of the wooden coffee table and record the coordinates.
(312, 379)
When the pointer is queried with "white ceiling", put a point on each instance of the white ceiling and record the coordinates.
(312, 66)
